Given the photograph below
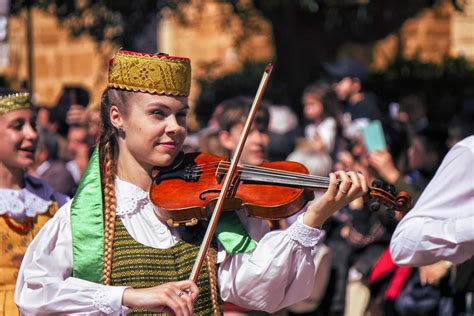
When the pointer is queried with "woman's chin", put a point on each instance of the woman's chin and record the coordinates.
(24, 162)
(164, 160)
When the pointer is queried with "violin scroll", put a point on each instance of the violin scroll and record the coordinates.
(384, 193)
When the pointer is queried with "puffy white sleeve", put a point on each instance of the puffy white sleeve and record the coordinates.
(45, 285)
(441, 225)
(278, 273)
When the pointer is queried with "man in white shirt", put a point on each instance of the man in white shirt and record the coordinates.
(441, 225)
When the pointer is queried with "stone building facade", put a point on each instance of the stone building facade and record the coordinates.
(61, 60)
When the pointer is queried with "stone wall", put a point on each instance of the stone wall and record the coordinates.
(61, 60)
(58, 59)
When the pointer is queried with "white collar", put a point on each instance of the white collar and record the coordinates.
(22, 203)
(43, 167)
(130, 198)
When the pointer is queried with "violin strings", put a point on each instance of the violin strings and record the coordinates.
(270, 172)
(277, 176)
(267, 170)
(280, 176)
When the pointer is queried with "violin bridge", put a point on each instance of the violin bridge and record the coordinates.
(220, 173)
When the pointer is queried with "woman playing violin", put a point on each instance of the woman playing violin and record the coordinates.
(108, 252)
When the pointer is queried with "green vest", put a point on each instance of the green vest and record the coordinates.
(140, 266)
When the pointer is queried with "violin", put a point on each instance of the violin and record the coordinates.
(271, 191)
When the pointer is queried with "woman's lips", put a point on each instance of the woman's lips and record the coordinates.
(28, 150)
(168, 145)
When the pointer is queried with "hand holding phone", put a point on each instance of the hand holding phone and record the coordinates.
(374, 138)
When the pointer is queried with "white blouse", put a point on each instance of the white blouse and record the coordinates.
(326, 130)
(278, 273)
(441, 225)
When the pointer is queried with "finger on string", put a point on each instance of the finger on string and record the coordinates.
(332, 188)
(363, 182)
(355, 185)
(345, 185)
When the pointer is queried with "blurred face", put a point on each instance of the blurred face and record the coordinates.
(153, 130)
(94, 123)
(76, 138)
(19, 138)
(42, 119)
(344, 88)
(255, 145)
(313, 108)
(416, 154)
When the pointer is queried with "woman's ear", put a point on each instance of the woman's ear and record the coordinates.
(116, 118)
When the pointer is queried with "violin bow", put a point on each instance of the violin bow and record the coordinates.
(229, 176)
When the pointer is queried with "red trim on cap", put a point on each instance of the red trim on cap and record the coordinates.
(151, 55)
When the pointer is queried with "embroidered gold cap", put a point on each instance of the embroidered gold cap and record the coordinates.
(153, 73)
(14, 101)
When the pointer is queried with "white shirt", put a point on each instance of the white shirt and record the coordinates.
(326, 130)
(74, 170)
(278, 273)
(441, 225)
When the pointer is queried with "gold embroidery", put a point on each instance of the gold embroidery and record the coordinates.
(15, 101)
(158, 73)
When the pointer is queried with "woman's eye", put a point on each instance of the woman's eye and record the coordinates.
(159, 113)
(17, 126)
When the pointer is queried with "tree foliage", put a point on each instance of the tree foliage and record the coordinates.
(305, 33)
(112, 21)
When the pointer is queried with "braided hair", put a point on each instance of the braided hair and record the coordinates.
(108, 146)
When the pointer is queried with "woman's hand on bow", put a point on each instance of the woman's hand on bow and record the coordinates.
(173, 298)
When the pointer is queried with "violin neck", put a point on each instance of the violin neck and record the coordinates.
(285, 179)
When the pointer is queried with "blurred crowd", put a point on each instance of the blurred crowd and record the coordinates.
(355, 274)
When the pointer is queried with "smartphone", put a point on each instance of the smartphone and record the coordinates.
(374, 138)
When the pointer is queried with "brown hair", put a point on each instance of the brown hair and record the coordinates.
(235, 111)
(108, 146)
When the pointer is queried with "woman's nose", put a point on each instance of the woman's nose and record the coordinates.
(261, 137)
(171, 124)
(30, 132)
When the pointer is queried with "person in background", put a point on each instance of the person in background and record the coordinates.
(412, 113)
(443, 215)
(79, 148)
(318, 145)
(231, 123)
(283, 131)
(359, 106)
(459, 127)
(438, 231)
(425, 153)
(231, 119)
(321, 117)
(49, 167)
(26, 202)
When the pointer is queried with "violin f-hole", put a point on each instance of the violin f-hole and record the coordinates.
(203, 193)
